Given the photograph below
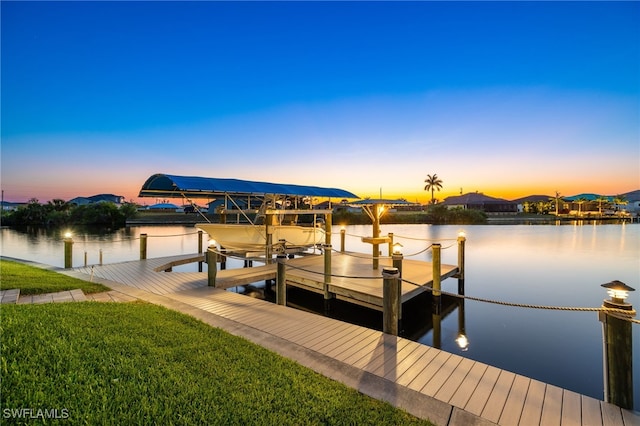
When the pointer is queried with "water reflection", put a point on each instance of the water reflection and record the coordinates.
(538, 264)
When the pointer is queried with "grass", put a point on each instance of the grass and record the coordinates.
(31, 280)
(136, 363)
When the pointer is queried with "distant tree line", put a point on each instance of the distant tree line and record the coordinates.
(58, 212)
(435, 214)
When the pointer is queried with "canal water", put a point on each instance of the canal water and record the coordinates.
(557, 265)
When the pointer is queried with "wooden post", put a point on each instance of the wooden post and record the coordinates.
(223, 258)
(327, 276)
(328, 217)
(212, 267)
(390, 300)
(100, 254)
(396, 259)
(281, 281)
(143, 246)
(618, 353)
(376, 234)
(390, 235)
(461, 244)
(68, 252)
(85, 259)
(343, 234)
(200, 248)
(269, 234)
(436, 247)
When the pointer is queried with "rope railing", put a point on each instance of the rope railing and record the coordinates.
(618, 313)
(278, 247)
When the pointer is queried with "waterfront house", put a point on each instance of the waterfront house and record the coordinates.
(100, 198)
(480, 201)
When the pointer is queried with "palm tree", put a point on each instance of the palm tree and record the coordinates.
(433, 183)
(557, 198)
(580, 201)
(620, 200)
(601, 199)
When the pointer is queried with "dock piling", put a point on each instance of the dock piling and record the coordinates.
(436, 247)
(390, 300)
(200, 248)
(461, 248)
(281, 280)
(68, 251)
(618, 346)
(143, 246)
(327, 276)
(396, 259)
(212, 267)
(343, 234)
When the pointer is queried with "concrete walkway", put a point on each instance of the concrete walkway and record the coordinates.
(13, 297)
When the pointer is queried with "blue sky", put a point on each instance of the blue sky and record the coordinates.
(506, 98)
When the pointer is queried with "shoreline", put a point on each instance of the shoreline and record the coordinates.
(170, 218)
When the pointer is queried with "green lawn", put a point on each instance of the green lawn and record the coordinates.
(137, 363)
(32, 280)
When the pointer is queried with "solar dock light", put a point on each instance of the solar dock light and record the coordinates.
(68, 250)
(212, 264)
(618, 291)
(397, 257)
(462, 238)
(143, 246)
(618, 345)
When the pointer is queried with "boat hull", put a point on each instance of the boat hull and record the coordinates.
(254, 237)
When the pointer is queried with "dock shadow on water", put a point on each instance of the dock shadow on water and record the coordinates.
(418, 315)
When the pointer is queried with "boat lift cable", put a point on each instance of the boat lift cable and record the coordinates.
(195, 207)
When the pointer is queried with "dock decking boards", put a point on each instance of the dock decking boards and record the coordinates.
(469, 388)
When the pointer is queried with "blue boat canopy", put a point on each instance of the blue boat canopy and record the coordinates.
(162, 185)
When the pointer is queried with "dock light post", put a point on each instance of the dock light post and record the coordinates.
(436, 247)
(343, 233)
(143, 246)
(327, 276)
(212, 264)
(68, 250)
(461, 243)
(390, 300)
(397, 257)
(618, 346)
(200, 248)
(281, 280)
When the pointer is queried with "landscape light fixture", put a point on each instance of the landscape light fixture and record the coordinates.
(397, 248)
(68, 234)
(461, 234)
(618, 291)
(212, 243)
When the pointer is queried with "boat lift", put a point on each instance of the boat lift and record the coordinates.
(233, 190)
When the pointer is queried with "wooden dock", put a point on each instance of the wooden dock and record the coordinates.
(430, 383)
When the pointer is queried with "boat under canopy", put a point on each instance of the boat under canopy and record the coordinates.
(269, 227)
(162, 185)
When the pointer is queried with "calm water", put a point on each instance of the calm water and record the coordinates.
(533, 264)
